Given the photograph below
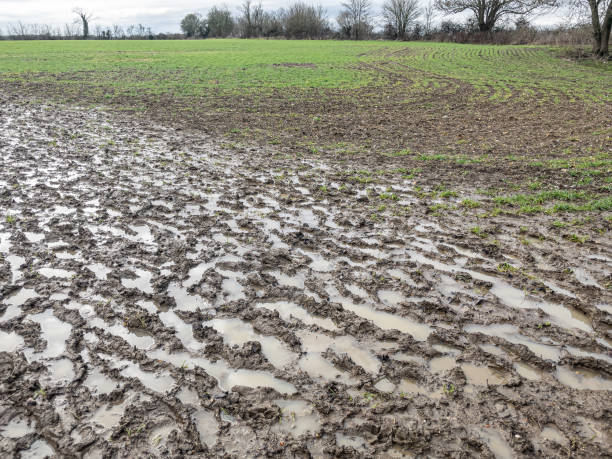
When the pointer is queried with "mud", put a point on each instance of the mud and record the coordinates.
(164, 297)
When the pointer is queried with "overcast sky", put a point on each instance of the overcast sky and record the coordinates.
(160, 15)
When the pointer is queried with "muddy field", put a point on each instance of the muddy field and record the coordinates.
(164, 297)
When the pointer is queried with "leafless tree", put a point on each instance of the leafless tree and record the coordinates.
(118, 32)
(400, 14)
(599, 14)
(488, 12)
(84, 18)
(356, 16)
(429, 14)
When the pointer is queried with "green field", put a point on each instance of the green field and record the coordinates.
(188, 68)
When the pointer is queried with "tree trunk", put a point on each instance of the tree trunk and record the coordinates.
(605, 32)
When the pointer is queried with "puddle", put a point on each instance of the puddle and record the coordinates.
(188, 396)
(226, 377)
(99, 270)
(350, 441)
(237, 332)
(510, 333)
(207, 427)
(141, 341)
(384, 385)
(496, 443)
(61, 370)
(160, 382)
(582, 379)
(56, 272)
(318, 263)
(15, 263)
(298, 418)
(482, 376)
(381, 319)
(17, 428)
(10, 342)
(561, 315)
(184, 300)
(404, 357)
(441, 364)
(109, 416)
(34, 237)
(407, 387)
(37, 450)
(296, 281)
(99, 383)
(54, 331)
(528, 371)
(142, 282)
(287, 311)
(319, 368)
(551, 433)
(319, 343)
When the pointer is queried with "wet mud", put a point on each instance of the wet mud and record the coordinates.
(163, 297)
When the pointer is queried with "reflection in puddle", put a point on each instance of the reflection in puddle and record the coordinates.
(287, 310)
(38, 449)
(54, 331)
(207, 427)
(237, 332)
(350, 441)
(582, 379)
(496, 443)
(298, 418)
(17, 428)
(384, 320)
(510, 333)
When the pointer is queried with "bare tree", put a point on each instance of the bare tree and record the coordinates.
(84, 18)
(488, 12)
(599, 14)
(400, 14)
(357, 17)
(429, 14)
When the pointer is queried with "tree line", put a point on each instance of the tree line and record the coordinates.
(488, 20)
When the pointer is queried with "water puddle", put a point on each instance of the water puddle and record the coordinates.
(142, 282)
(38, 449)
(56, 272)
(319, 368)
(552, 434)
(561, 315)
(54, 331)
(496, 443)
(98, 383)
(17, 428)
(582, 379)
(288, 311)
(298, 418)
(100, 271)
(159, 382)
(319, 343)
(529, 371)
(510, 333)
(482, 376)
(34, 237)
(410, 388)
(207, 427)
(350, 441)
(381, 319)
(10, 342)
(237, 332)
(296, 281)
(15, 262)
(226, 377)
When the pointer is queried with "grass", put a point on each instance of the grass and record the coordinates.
(188, 67)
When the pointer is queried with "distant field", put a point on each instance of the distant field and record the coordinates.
(186, 68)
